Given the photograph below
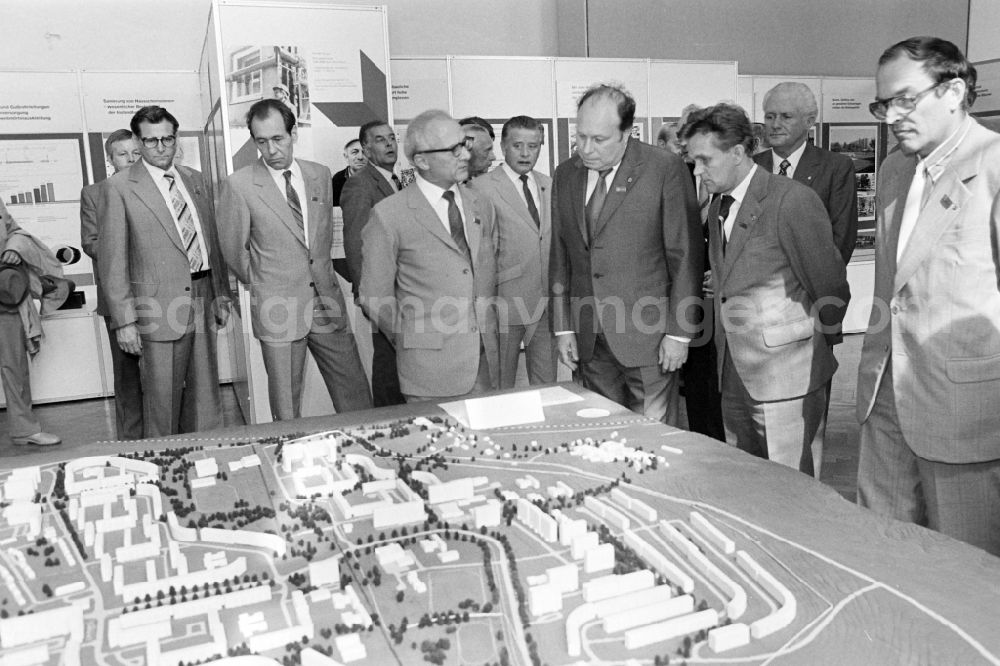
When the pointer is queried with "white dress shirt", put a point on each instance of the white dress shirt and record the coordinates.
(300, 188)
(793, 160)
(163, 185)
(738, 193)
(435, 197)
(515, 178)
(387, 175)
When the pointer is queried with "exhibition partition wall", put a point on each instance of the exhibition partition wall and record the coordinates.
(329, 64)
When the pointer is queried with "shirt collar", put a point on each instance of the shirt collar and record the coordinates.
(156, 172)
(793, 159)
(514, 176)
(433, 192)
(385, 172)
(740, 191)
(276, 173)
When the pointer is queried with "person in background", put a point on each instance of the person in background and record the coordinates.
(481, 136)
(122, 151)
(354, 154)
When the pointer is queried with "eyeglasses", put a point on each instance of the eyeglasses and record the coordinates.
(903, 104)
(455, 150)
(165, 141)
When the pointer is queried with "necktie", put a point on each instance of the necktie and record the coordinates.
(783, 167)
(189, 234)
(293, 200)
(727, 203)
(911, 209)
(596, 203)
(395, 181)
(455, 224)
(528, 199)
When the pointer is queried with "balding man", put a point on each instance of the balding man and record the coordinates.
(480, 136)
(789, 111)
(429, 271)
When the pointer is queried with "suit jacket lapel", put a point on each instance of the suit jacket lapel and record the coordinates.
(579, 194)
(381, 184)
(508, 192)
(312, 198)
(473, 225)
(275, 200)
(746, 218)
(806, 169)
(149, 194)
(545, 203)
(944, 203)
(426, 217)
(619, 187)
(892, 214)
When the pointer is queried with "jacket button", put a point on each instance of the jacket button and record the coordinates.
(187, 288)
(475, 330)
(465, 271)
(598, 276)
(312, 284)
(894, 309)
(887, 348)
(310, 262)
(723, 299)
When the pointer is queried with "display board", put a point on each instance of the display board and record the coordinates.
(404, 537)
(987, 106)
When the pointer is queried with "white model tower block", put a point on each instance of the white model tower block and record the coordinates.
(206, 467)
(581, 544)
(350, 647)
(640, 615)
(615, 585)
(451, 491)
(712, 533)
(489, 514)
(566, 578)
(668, 629)
(600, 558)
(729, 637)
(544, 599)
(402, 513)
(569, 528)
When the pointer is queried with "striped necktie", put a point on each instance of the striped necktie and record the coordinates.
(189, 234)
(293, 200)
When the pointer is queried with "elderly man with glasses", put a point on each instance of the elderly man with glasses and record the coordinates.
(166, 282)
(929, 379)
(429, 271)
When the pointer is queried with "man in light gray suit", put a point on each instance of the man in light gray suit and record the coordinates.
(121, 150)
(929, 379)
(780, 288)
(523, 201)
(429, 273)
(276, 232)
(159, 262)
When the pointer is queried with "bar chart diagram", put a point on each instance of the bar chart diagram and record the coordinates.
(40, 171)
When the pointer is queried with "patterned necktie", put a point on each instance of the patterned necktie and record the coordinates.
(528, 199)
(455, 223)
(727, 203)
(189, 234)
(293, 200)
(593, 210)
(783, 167)
(395, 181)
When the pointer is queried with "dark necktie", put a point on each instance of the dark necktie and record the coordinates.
(528, 199)
(455, 224)
(395, 181)
(727, 203)
(596, 203)
(293, 200)
(783, 167)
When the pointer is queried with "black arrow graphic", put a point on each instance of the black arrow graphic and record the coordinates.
(374, 107)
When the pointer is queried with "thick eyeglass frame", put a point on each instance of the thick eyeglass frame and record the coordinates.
(904, 104)
(165, 141)
(455, 150)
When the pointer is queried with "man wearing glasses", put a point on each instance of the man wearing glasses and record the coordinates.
(165, 279)
(428, 274)
(929, 379)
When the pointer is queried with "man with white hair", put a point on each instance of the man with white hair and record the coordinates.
(789, 111)
(429, 271)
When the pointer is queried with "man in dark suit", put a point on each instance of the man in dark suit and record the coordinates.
(276, 230)
(356, 161)
(789, 111)
(780, 285)
(626, 264)
(122, 151)
(166, 282)
(372, 184)
(429, 277)
(522, 198)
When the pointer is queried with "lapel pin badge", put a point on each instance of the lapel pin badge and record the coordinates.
(621, 188)
(946, 201)
(475, 220)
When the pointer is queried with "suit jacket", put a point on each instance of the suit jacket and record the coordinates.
(831, 176)
(644, 266)
(90, 225)
(359, 196)
(265, 248)
(523, 247)
(140, 257)
(779, 268)
(339, 180)
(420, 290)
(937, 311)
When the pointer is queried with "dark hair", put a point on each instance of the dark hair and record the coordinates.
(152, 115)
(348, 144)
(115, 137)
(624, 102)
(522, 122)
(479, 122)
(261, 109)
(371, 124)
(941, 59)
(728, 122)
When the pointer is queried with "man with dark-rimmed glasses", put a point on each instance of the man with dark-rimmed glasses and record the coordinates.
(166, 281)
(428, 277)
(929, 378)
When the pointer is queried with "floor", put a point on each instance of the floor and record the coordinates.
(87, 421)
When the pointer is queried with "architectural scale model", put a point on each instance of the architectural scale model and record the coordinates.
(409, 542)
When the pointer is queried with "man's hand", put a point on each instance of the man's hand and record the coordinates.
(129, 340)
(707, 285)
(566, 344)
(221, 309)
(10, 257)
(673, 353)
